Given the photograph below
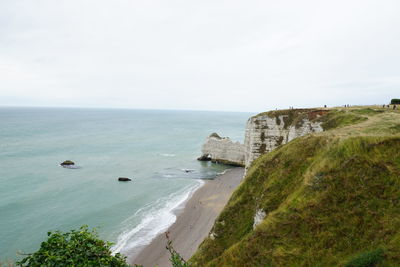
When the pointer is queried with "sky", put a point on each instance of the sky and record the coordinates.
(199, 55)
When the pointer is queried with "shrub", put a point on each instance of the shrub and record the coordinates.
(75, 248)
(366, 259)
(395, 101)
(83, 248)
(176, 259)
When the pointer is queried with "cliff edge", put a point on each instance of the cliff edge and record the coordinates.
(267, 131)
(264, 132)
(330, 198)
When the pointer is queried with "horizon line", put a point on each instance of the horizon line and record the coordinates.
(126, 108)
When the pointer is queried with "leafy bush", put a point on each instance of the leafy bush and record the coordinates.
(83, 248)
(367, 259)
(75, 248)
(395, 101)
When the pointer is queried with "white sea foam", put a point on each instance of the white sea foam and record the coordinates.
(167, 155)
(223, 172)
(156, 218)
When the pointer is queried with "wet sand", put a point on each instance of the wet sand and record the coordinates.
(193, 223)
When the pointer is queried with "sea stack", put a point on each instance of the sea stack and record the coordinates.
(223, 150)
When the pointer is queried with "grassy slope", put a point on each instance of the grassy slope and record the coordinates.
(329, 197)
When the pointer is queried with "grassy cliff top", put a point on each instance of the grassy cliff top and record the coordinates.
(331, 199)
(330, 118)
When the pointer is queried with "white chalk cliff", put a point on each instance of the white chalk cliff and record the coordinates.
(267, 131)
(264, 133)
(223, 150)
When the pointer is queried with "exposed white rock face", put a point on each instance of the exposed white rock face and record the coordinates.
(258, 217)
(264, 133)
(212, 236)
(223, 150)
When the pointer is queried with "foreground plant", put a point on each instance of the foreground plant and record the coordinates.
(75, 248)
(83, 248)
(176, 259)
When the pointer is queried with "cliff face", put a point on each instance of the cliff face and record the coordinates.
(264, 133)
(267, 131)
(326, 199)
(223, 150)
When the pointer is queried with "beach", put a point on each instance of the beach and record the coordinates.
(193, 222)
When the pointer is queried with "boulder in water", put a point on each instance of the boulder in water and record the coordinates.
(124, 179)
(67, 163)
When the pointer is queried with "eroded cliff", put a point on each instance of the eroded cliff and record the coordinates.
(264, 132)
(223, 150)
(267, 131)
(325, 199)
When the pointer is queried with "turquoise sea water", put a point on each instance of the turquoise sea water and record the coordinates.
(152, 147)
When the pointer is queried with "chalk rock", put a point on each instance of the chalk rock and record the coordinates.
(267, 131)
(264, 132)
(258, 217)
(222, 150)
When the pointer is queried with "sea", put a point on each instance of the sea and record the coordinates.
(157, 149)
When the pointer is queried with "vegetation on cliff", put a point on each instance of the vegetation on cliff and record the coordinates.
(75, 248)
(83, 248)
(395, 101)
(330, 199)
(293, 117)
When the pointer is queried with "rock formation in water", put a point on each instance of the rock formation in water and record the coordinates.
(67, 163)
(222, 150)
(264, 132)
(124, 179)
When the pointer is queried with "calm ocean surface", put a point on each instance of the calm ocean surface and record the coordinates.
(152, 147)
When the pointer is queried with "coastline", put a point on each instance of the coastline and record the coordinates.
(154, 223)
(193, 222)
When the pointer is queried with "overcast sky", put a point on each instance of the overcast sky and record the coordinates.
(201, 55)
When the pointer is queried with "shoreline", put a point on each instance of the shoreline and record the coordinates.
(194, 221)
(172, 208)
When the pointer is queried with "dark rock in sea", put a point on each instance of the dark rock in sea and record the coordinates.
(124, 179)
(204, 158)
(67, 163)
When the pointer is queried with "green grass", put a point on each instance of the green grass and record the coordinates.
(368, 111)
(340, 118)
(331, 199)
(395, 128)
(330, 118)
(367, 259)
